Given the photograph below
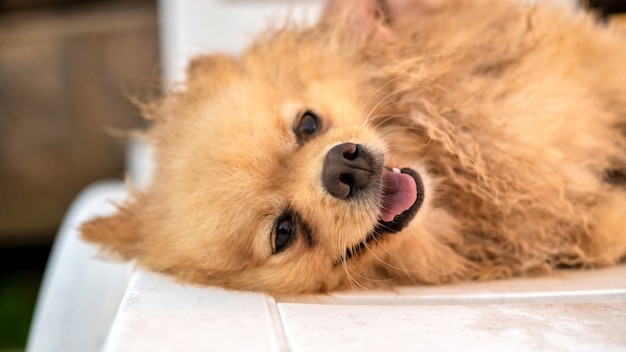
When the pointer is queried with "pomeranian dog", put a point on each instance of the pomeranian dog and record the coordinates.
(394, 142)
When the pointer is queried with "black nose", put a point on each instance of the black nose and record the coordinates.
(347, 169)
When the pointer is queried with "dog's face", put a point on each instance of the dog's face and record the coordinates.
(271, 175)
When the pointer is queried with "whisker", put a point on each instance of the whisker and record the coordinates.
(383, 99)
(378, 90)
(391, 104)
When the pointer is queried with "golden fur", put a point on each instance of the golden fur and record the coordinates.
(514, 114)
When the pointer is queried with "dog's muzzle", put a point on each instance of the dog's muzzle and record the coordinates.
(349, 169)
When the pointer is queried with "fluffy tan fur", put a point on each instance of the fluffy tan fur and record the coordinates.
(515, 114)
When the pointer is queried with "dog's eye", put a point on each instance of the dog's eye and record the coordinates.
(283, 233)
(307, 126)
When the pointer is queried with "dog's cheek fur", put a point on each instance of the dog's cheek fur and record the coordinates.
(304, 270)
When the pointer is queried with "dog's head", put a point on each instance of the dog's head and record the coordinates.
(272, 173)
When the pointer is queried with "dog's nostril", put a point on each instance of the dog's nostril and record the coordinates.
(351, 155)
(347, 179)
(347, 169)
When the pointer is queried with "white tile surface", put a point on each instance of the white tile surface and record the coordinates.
(160, 315)
(562, 287)
(572, 311)
(598, 326)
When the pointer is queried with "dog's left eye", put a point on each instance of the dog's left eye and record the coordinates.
(307, 126)
(283, 233)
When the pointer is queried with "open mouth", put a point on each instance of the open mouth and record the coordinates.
(403, 196)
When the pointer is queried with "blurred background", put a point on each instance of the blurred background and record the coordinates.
(69, 70)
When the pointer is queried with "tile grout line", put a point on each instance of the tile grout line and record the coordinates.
(280, 335)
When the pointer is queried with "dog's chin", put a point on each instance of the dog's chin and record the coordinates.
(403, 196)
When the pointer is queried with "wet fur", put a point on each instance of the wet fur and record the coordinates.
(515, 115)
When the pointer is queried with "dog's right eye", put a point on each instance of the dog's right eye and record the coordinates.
(283, 233)
(307, 126)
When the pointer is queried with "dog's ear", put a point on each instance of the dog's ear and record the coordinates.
(360, 17)
(117, 233)
(205, 75)
(377, 18)
(209, 72)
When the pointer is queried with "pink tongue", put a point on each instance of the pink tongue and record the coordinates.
(399, 193)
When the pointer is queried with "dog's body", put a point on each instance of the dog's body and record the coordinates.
(276, 171)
